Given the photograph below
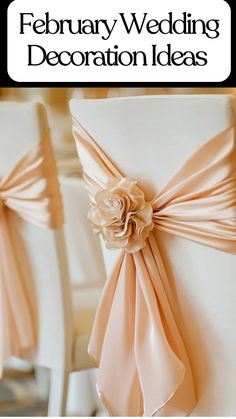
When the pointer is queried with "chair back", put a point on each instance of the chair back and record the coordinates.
(83, 246)
(149, 139)
(40, 252)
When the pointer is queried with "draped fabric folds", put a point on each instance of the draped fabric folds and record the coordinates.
(143, 364)
(32, 191)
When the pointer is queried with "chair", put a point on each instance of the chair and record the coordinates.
(149, 139)
(64, 317)
(82, 398)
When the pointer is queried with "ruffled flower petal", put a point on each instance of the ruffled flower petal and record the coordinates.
(122, 215)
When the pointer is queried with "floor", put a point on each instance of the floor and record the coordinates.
(19, 396)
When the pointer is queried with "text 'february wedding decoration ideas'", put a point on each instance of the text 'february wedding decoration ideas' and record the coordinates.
(169, 41)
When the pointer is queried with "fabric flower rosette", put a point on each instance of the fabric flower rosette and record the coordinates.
(122, 215)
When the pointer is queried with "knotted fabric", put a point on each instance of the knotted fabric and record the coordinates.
(143, 363)
(32, 191)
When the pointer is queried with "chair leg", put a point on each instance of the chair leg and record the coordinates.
(42, 376)
(58, 392)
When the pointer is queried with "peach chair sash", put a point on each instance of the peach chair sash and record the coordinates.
(143, 364)
(31, 191)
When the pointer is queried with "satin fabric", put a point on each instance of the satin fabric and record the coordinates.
(31, 190)
(143, 364)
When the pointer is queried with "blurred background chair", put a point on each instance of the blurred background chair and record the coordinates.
(64, 312)
(87, 274)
